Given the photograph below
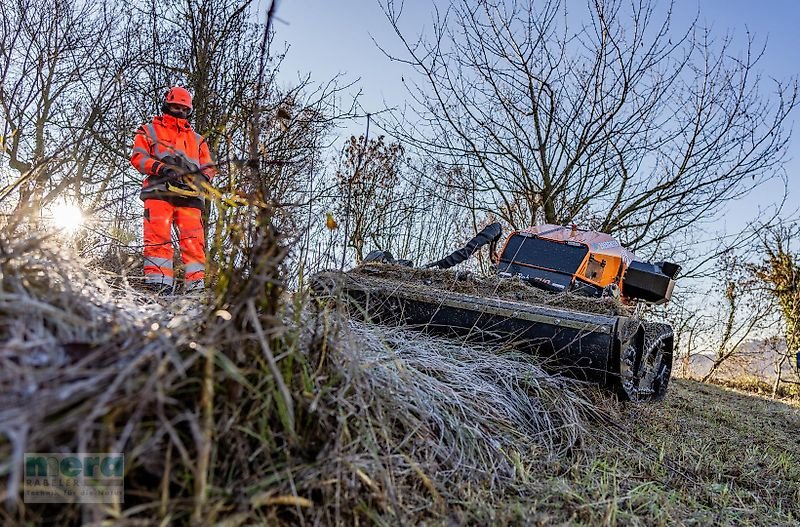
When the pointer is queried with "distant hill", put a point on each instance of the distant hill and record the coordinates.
(755, 358)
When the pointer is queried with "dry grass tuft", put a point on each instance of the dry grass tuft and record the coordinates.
(234, 409)
(426, 420)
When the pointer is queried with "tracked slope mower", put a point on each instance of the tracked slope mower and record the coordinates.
(567, 295)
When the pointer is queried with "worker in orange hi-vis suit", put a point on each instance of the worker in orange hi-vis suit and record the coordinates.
(175, 160)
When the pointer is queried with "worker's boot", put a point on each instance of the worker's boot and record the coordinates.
(194, 288)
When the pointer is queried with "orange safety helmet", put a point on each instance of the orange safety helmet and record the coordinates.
(178, 95)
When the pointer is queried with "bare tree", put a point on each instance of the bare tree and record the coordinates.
(620, 123)
(745, 313)
(440, 223)
(722, 321)
(59, 75)
(780, 273)
(372, 198)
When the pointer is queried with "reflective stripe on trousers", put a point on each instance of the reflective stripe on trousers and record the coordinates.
(195, 267)
(154, 261)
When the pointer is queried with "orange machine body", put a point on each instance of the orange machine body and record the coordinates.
(597, 259)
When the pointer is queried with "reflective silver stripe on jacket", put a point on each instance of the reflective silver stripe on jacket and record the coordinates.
(151, 133)
(148, 133)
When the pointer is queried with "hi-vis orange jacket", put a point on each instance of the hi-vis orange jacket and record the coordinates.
(172, 141)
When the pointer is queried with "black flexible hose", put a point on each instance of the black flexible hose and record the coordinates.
(488, 235)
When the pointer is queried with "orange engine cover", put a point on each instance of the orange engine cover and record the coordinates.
(563, 258)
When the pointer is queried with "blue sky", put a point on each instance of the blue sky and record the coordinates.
(328, 37)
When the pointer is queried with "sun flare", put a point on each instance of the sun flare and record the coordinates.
(66, 217)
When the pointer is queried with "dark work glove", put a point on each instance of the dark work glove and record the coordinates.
(167, 172)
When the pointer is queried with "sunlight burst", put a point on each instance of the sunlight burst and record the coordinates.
(66, 216)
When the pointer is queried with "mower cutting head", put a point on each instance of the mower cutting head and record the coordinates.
(612, 348)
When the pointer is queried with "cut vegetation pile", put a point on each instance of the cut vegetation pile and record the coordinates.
(493, 286)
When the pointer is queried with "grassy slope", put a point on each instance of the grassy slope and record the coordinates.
(715, 457)
(704, 456)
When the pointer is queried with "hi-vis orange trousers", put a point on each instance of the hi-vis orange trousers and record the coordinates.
(159, 217)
